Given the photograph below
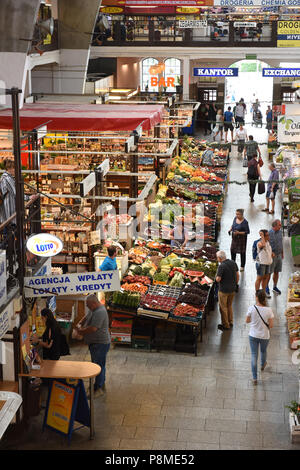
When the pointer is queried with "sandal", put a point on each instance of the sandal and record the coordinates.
(265, 210)
(271, 212)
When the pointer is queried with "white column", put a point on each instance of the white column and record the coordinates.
(13, 72)
(186, 77)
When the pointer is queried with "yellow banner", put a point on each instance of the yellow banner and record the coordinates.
(288, 34)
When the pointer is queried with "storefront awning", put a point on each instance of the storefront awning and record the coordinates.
(84, 117)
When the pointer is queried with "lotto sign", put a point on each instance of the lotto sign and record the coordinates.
(44, 244)
(60, 407)
(216, 72)
(288, 34)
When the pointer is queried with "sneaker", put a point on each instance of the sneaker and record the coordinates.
(242, 269)
(268, 293)
(276, 290)
(254, 381)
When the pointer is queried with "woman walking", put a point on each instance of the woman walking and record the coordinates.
(219, 124)
(239, 231)
(263, 261)
(260, 318)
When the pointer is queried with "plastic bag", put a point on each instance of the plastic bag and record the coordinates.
(271, 195)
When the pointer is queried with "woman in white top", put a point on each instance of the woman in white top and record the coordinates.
(241, 136)
(264, 260)
(260, 318)
(219, 124)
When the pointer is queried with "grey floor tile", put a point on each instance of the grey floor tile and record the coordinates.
(150, 410)
(270, 417)
(202, 446)
(208, 437)
(143, 420)
(184, 423)
(225, 425)
(136, 444)
(167, 445)
(241, 439)
(157, 434)
(240, 404)
(176, 411)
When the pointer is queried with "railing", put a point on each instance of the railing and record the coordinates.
(156, 32)
(8, 238)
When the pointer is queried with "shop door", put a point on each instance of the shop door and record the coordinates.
(205, 96)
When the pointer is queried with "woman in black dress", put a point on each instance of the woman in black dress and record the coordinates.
(240, 231)
(51, 339)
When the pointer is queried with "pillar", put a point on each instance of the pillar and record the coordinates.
(186, 77)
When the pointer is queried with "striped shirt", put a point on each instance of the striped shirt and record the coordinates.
(8, 191)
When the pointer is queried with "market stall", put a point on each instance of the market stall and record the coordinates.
(168, 291)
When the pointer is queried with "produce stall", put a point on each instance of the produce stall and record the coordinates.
(292, 312)
(167, 286)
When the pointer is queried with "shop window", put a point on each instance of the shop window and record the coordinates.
(209, 95)
(173, 70)
(146, 76)
(288, 97)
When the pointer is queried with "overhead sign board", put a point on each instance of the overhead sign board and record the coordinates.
(216, 72)
(44, 244)
(288, 32)
(87, 184)
(70, 284)
(257, 3)
(288, 129)
(244, 24)
(281, 72)
(192, 24)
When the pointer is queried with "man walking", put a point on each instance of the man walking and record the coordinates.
(228, 120)
(276, 242)
(95, 330)
(240, 111)
(271, 188)
(251, 148)
(228, 279)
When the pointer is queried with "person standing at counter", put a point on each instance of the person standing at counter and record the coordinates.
(110, 263)
(51, 339)
(95, 332)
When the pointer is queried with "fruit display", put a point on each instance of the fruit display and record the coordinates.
(137, 279)
(135, 287)
(185, 310)
(293, 324)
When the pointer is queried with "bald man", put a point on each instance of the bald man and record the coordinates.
(95, 331)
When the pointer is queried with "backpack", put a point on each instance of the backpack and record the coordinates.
(252, 171)
(254, 250)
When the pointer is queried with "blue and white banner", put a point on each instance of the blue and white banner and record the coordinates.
(71, 284)
(216, 72)
(281, 72)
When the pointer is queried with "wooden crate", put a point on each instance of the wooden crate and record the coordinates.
(294, 428)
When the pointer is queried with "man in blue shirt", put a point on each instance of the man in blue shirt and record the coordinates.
(271, 188)
(110, 263)
(228, 120)
(276, 242)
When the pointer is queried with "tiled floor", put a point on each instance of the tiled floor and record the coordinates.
(177, 401)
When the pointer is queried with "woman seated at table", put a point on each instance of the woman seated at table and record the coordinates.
(51, 339)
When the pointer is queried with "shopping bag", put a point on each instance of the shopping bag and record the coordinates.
(260, 162)
(261, 187)
(245, 162)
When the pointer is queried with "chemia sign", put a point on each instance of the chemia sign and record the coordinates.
(44, 244)
(216, 72)
(288, 129)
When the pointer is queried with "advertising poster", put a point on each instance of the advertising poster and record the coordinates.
(60, 407)
(288, 34)
(288, 129)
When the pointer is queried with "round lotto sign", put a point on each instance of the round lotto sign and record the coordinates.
(44, 244)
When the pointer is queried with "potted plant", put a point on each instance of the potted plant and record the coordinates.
(294, 409)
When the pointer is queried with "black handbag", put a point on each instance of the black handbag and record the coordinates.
(261, 187)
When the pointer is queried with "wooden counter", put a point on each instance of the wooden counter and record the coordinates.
(65, 370)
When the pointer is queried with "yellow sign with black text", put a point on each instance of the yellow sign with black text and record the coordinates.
(288, 34)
